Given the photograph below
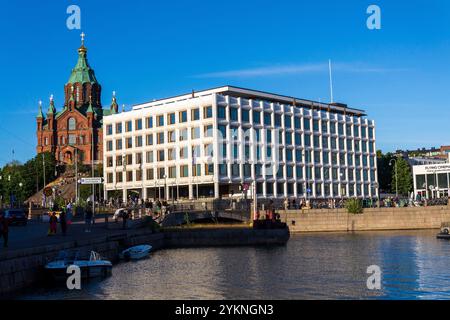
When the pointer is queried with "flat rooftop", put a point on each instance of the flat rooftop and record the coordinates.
(256, 95)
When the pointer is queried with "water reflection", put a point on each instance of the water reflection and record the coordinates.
(311, 266)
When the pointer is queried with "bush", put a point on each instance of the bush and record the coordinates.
(354, 206)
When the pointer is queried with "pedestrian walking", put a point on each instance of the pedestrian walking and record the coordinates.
(53, 224)
(88, 217)
(63, 221)
(126, 215)
(4, 228)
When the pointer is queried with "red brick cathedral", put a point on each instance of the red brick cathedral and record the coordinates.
(76, 130)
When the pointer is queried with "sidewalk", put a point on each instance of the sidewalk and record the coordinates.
(35, 234)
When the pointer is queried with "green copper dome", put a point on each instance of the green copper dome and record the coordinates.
(40, 115)
(82, 73)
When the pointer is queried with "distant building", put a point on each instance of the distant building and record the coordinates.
(213, 143)
(76, 130)
(432, 181)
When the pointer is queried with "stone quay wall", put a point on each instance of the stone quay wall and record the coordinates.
(371, 220)
(21, 269)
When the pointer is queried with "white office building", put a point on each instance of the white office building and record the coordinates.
(214, 142)
(432, 181)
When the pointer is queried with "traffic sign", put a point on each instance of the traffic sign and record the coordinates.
(91, 181)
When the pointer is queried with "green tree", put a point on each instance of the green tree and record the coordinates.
(384, 171)
(405, 179)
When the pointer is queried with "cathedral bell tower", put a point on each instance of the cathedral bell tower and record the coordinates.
(82, 83)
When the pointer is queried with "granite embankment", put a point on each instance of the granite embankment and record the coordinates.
(22, 268)
(371, 220)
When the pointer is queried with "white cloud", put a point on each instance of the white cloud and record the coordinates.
(295, 69)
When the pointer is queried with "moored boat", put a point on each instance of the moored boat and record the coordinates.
(91, 267)
(136, 252)
(445, 231)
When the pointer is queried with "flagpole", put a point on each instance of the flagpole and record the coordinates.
(331, 81)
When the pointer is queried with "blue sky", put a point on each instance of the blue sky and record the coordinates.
(152, 49)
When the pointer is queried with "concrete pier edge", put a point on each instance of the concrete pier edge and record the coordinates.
(21, 269)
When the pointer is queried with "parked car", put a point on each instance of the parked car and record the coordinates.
(17, 216)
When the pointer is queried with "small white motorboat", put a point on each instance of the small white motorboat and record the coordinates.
(91, 267)
(136, 253)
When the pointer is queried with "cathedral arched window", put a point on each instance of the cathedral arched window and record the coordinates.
(72, 124)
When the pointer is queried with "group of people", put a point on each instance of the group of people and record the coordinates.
(63, 216)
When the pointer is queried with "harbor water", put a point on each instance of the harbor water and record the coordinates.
(413, 264)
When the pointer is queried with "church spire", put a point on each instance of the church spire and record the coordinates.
(40, 115)
(82, 73)
(51, 108)
(90, 108)
(114, 106)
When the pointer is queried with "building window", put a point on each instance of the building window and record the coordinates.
(256, 117)
(138, 141)
(109, 178)
(119, 144)
(118, 128)
(149, 140)
(128, 143)
(160, 138)
(183, 134)
(109, 129)
(221, 112)
(109, 162)
(195, 133)
(161, 173)
(245, 114)
(160, 155)
(160, 121)
(184, 153)
(207, 112)
(171, 154)
(209, 169)
(172, 172)
(171, 118)
(128, 126)
(208, 131)
(138, 124)
(195, 114)
(183, 116)
(129, 159)
(171, 136)
(149, 122)
(234, 114)
(129, 176)
(149, 157)
(150, 174)
(138, 158)
(196, 170)
(119, 177)
(72, 124)
(109, 145)
(73, 140)
(119, 161)
(138, 175)
(184, 171)
(267, 119)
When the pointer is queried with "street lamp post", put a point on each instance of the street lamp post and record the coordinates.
(166, 195)
(396, 175)
(20, 193)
